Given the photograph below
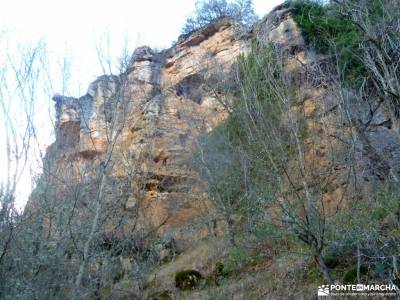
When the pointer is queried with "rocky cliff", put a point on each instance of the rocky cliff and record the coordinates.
(169, 100)
(151, 116)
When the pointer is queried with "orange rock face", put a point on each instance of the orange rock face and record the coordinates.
(150, 117)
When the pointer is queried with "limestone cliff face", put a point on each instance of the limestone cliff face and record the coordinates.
(168, 101)
(170, 98)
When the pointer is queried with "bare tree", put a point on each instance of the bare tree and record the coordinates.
(258, 164)
(210, 11)
(18, 74)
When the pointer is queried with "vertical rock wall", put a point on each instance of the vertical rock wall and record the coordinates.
(170, 98)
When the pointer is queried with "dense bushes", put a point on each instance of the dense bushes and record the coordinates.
(363, 35)
(329, 32)
(370, 227)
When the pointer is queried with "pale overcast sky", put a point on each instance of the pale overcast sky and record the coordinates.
(71, 28)
(74, 25)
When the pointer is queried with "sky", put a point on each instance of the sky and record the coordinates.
(71, 31)
(75, 26)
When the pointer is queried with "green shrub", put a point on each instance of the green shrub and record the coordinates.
(381, 268)
(332, 260)
(379, 213)
(187, 279)
(312, 273)
(105, 292)
(219, 269)
(324, 28)
(217, 294)
(219, 273)
(350, 276)
(160, 295)
(217, 277)
(235, 260)
(264, 231)
(117, 272)
(314, 23)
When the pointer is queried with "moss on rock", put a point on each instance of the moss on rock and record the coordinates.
(187, 279)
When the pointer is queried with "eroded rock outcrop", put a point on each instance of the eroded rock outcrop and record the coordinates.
(166, 100)
(157, 109)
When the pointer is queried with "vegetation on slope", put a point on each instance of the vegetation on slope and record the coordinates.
(362, 35)
(271, 199)
(330, 32)
(255, 162)
(207, 12)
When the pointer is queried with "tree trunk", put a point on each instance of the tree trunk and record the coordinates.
(93, 230)
(322, 267)
(231, 232)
